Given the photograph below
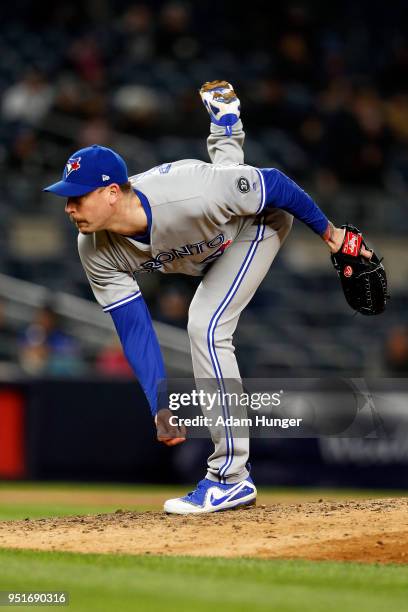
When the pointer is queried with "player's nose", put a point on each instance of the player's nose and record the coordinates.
(70, 205)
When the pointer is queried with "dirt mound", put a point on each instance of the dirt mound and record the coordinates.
(366, 531)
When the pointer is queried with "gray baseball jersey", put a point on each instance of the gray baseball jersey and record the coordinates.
(198, 210)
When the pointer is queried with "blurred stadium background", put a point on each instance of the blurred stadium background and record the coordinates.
(324, 93)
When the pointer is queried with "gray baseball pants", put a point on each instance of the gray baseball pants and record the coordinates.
(225, 290)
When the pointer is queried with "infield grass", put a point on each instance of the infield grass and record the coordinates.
(97, 583)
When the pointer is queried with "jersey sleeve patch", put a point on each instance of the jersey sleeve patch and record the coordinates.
(243, 184)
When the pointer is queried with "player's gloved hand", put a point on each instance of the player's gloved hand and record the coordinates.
(334, 238)
(361, 273)
(222, 103)
(169, 434)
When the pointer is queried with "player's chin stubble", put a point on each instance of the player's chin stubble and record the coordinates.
(78, 225)
(81, 229)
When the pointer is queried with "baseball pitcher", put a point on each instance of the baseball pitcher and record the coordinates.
(223, 221)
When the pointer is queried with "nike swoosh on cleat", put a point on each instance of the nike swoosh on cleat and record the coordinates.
(220, 500)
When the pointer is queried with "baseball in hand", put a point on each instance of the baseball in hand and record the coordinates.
(169, 434)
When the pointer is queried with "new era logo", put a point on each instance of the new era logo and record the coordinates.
(105, 177)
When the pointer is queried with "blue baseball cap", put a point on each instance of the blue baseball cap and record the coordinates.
(88, 169)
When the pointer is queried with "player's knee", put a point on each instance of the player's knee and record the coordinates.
(196, 327)
(201, 332)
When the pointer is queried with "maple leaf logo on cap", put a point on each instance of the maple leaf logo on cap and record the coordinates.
(72, 165)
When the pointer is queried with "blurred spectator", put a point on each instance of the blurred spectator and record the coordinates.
(111, 361)
(139, 106)
(86, 57)
(172, 306)
(137, 27)
(23, 149)
(397, 116)
(28, 100)
(357, 138)
(369, 111)
(267, 104)
(396, 351)
(46, 349)
(175, 38)
(95, 130)
(294, 62)
(74, 97)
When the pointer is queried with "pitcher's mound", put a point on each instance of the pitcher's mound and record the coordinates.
(366, 531)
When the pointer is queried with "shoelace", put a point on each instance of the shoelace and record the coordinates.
(200, 485)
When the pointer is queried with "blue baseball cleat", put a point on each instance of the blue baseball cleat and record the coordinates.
(210, 496)
(222, 104)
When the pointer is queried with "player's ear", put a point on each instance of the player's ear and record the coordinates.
(113, 192)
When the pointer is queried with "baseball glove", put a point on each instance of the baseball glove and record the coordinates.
(364, 281)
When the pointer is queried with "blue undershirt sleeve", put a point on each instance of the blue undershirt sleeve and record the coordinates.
(282, 192)
(142, 350)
